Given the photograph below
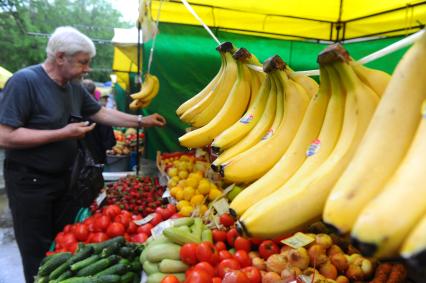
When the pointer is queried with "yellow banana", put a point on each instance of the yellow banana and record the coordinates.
(240, 129)
(414, 247)
(205, 91)
(267, 152)
(225, 82)
(294, 206)
(309, 84)
(377, 80)
(256, 83)
(146, 87)
(135, 104)
(220, 94)
(385, 222)
(296, 153)
(154, 91)
(256, 134)
(385, 143)
(231, 111)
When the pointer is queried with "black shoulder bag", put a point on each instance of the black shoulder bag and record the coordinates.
(86, 176)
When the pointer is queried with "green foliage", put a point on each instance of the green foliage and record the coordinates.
(26, 24)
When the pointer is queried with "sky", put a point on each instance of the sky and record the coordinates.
(128, 8)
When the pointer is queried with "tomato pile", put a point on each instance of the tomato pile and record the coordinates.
(109, 222)
(138, 195)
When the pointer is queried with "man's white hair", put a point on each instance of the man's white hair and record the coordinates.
(70, 41)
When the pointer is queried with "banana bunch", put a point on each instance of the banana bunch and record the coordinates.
(291, 103)
(149, 90)
(224, 101)
(388, 213)
(381, 195)
(317, 155)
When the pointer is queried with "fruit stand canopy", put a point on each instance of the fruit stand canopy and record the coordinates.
(330, 20)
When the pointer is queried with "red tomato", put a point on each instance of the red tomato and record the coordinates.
(172, 208)
(90, 222)
(207, 252)
(235, 276)
(253, 274)
(81, 232)
(219, 235)
(176, 215)
(231, 235)
(139, 238)
(225, 254)
(146, 228)
(157, 219)
(115, 229)
(256, 241)
(188, 253)
(72, 247)
(198, 276)
(242, 243)
(111, 210)
(164, 212)
(207, 267)
(227, 265)
(170, 279)
(132, 228)
(68, 228)
(123, 219)
(226, 220)
(220, 246)
(243, 258)
(98, 237)
(102, 223)
(216, 280)
(60, 237)
(268, 248)
(68, 240)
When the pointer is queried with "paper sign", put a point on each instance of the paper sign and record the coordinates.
(101, 197)
(305, 278)
(145, 220)
(166, 194)
(163, 180)
(158, 230)
(228, 189)
(298, 240)
(221, 206)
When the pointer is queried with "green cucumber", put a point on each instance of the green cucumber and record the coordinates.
(108, 278)
(67, 274)
(128, 277)
(53, 263)
(78, 280)
(98, 266)
(183, 221)
(59, 270)
(136, 266)
(83, 253)
(111, 249)
(180, 237)
(118, 268)
(98, 247)
(85, 262)
(42, 279)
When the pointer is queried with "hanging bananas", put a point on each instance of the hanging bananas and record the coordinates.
(149, 90)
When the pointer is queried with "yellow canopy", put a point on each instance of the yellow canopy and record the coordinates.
(4, 76)
(330, 20)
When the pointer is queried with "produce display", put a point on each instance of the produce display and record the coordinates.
(126, 140)
(305, 182)
(113, 260)
(138, 195)
(149, 90)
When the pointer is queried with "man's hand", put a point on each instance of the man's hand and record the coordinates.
(78, 130)
(153, 120)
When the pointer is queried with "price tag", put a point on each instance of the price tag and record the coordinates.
(163, 180)
(166, 194)
(304, 278)
(158, 230)
(221, 206)
(101, 197)
(145, 220)
(298, 240)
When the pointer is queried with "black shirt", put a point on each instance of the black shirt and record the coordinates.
(31, 99)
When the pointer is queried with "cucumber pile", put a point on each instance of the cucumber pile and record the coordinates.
(112, 261)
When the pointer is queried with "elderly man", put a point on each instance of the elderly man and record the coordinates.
(41, 144)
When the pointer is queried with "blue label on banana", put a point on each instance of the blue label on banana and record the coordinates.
(268, 134)
(247, 119)
(313, 148)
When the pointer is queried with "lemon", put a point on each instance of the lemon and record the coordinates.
(191, 181)
(179, 195)
(214, 194)
(188, 193)
(203, 209)
(172, 171)
(197, 200)
(204, 187)
(182, 203)
(186, 210)
(174, 190)
(183, 174)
